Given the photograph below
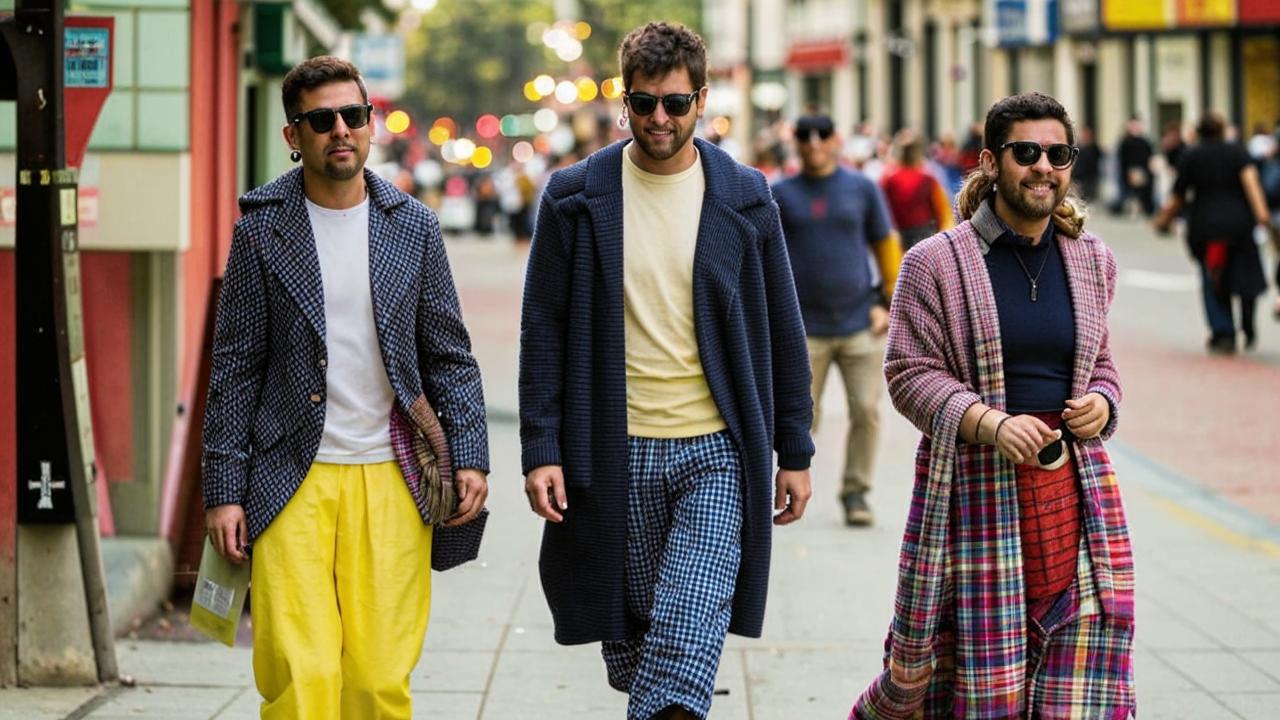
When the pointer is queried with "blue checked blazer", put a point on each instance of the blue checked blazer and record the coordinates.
(266, 406)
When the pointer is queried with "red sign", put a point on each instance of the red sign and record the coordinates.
(1258, 11)
(86, 207)
(88, 73)
(822, 55)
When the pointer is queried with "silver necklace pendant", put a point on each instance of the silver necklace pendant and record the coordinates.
(1035, 291)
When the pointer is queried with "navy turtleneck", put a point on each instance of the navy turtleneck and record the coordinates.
(1038, 338)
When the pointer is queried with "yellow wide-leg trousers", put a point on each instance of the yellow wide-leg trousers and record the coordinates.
(341, 594)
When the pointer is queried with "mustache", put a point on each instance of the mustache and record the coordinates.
(339, 146)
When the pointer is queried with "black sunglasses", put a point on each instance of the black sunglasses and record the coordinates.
(1027, 153)
(321, 120)
(676, 104)
(804, 136)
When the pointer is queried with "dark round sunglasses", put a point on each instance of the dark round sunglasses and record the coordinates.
(1027, 153)
(321, 120)
(676, 104)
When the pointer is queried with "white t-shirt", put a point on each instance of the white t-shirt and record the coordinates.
(357, 419)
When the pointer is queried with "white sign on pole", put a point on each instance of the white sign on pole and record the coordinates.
(380, 58)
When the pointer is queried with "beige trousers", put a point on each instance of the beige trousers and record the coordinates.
(860, 358)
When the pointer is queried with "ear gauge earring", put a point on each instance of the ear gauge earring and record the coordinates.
(623, 119)
(296, 155)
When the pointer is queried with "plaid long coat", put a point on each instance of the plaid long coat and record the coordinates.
(961, 560)
(266, 407)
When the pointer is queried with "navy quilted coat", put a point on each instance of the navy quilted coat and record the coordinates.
(573, 404)
(266, 406)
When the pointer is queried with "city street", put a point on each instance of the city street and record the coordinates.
(1195, 453)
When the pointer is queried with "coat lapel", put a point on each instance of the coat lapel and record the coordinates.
(293, 257)
(722, 230)
(983, 318)
(391, 253)
(1088, 293)
(604, 205)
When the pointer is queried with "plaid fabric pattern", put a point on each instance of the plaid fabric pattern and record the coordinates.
(684, 525)
(266, 404)
(961, 554)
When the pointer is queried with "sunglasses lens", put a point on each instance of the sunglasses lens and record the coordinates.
(677, 105)
(321, 120)
(355, 116)
(642, 103)
(1059, 155)
(825, 133)
(1026, 153)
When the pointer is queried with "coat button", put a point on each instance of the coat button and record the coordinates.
(324, 363)
(315, 398)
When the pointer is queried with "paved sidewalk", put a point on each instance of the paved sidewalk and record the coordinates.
(1208, 633)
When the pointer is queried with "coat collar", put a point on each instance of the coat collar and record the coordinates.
(284, 202)
(726, 183)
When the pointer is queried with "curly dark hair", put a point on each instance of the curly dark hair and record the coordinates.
(311, 74)
(1020, 107)
(655, 49)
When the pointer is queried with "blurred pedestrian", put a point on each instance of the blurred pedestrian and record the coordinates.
(998, 354)
(917, 201)
(947, 154)
(1269, 176)
(1261, 143)
(1133, 161)
(1088, 167)
(337, 291)
(1219, 188)
(971, 149)
(832, 218)
(662, 363)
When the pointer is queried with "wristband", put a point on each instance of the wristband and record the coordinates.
(977, 430)
(995, 439)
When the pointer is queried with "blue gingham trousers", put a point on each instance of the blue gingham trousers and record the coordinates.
(684, 544)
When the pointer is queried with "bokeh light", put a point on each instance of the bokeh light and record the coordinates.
(482, 157)
(522, 152)
(611, 88)
(566, 92)
(509, 126)
(544, 84)
(545, 120)
(448, 124)
(582, 30)
(534, 32)
(721, 125)
(569, 50)
(438, 135)
(463, 149)
(587, 90)
(487, 126)
(397, 122)
(531, 92)
(542, 144)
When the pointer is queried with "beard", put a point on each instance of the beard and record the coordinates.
(1024, 202)
(343, 170)
(659, 149)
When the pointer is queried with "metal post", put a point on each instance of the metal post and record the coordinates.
(55, 448)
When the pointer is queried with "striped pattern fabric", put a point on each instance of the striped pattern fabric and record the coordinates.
(266, 405)
(961, 553)
(684, 522)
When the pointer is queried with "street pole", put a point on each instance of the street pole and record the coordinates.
(54, 441)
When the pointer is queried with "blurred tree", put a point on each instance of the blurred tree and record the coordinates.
(347, 12)
(611, 20)
(471, 57)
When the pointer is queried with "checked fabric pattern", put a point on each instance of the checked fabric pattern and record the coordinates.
(684, 525)
(266, 406)
(961, 553)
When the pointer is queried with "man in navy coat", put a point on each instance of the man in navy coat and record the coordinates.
(662, 364)
(337, 314)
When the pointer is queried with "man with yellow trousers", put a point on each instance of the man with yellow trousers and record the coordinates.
(337, 311)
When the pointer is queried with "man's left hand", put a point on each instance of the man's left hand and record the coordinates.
(473, 488)
(1087, 415)
(793, 493)
(879, 321)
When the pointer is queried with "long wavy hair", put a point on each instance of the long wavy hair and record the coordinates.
(1070, 215)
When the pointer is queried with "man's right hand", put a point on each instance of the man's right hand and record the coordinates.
(1020, 437)
(544, 487)
(228, 531)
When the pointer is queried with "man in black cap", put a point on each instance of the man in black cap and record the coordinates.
(835, 221)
